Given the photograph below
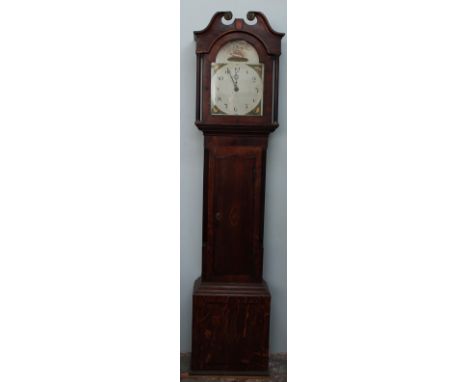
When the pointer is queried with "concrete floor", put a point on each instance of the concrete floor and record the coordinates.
(277, 371)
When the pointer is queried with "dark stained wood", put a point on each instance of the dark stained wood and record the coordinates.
(235, 193)
(276, 91)
(197, 101)
(277, 371)
(231, 323)
(231, 301)
(216, 29)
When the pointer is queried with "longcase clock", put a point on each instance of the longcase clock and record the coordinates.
(236, 109)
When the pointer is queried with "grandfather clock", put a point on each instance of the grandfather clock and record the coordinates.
(236, 109)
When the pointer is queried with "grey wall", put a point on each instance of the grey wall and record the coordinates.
(195, 15)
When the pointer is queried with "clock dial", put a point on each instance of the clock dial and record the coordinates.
(237, 89)
(238, 50)
(237, 81)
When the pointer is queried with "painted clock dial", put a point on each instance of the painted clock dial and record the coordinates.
(237, 81)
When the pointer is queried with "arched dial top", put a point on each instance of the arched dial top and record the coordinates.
(237, 51)
(237, 80)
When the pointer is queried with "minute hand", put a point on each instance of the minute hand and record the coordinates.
(233, 82)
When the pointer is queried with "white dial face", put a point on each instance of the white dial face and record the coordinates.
(237, 81)
(237, 89)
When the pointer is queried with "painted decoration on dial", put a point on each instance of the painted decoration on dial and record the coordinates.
(237, 81)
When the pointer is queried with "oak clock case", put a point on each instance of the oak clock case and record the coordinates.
(236, 109)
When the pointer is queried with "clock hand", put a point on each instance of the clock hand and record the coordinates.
(232, 79)
(230, 75)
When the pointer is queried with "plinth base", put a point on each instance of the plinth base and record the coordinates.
(230, 331)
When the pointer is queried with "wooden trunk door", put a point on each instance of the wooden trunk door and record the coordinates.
(234, 213)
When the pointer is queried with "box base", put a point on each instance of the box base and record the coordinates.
(230, 328)
(228, 373)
